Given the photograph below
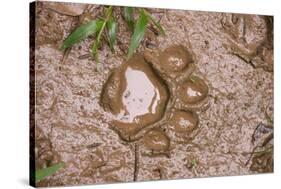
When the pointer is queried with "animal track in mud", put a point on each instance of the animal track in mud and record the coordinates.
(154, 89)
(154, 98)
(251, 38)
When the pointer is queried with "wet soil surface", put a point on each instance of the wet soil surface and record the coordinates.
(197, 102)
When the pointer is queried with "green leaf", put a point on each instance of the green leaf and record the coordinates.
(81, 33)
(112, 29)
(43, 173)
(155, 22)
(129, 18)
(138, 34)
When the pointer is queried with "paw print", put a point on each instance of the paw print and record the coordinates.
(154, 97)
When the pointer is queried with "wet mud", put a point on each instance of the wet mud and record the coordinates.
(196, 102)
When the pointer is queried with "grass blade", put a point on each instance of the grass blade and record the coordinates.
(138, 34)
(43, 173)
(104, 23)
(155, 22)
(129, 17)
(112, 29)
(81, 33)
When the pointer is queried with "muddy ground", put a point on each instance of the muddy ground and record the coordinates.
(232, 53)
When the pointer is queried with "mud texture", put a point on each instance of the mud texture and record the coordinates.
(196, 102)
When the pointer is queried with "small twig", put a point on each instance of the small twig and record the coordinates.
(251, 155)
(136, 167)
(156, 11)
(94, 145)
(90, 146)
(84, 56)
(267, 139)
(153, 30)
(245, 60)
(269, 119)
(65, 55)
(256, 129)
(100, 165)
(156, 154)
(253, 135)
(122, 46)
(258, 152)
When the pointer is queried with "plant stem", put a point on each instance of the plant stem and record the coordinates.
(156, 23)
(108, 15)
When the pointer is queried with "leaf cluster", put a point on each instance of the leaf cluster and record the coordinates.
(107, 26)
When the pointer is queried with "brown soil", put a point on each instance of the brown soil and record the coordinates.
(225, 60)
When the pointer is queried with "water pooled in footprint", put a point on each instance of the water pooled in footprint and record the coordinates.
(135, 95)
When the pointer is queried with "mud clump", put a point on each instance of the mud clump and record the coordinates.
(156, 140)
(184, 122)
(175, 59)
(135, 95)
(193, 90)
(172, 62)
